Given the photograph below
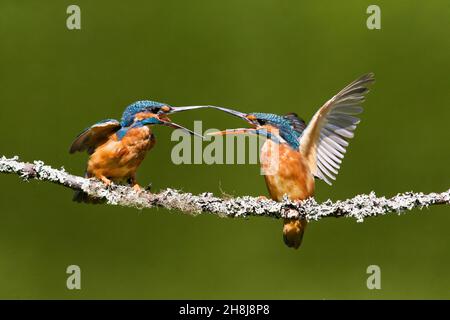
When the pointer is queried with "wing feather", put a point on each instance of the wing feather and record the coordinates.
(95, 135)
(324, 141)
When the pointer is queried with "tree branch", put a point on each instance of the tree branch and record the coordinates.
(359, 207)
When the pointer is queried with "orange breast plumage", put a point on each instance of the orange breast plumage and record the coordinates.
(286, 172)
(118, 160)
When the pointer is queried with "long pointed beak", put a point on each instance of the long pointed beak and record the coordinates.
(177, 126)
(235, 113)
(233, 131)
(185, 108)
(259, 132)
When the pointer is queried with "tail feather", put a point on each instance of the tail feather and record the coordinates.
(293, 231)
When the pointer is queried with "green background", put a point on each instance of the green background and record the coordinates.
(259, 55)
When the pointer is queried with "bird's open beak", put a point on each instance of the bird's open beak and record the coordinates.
(241, 115)
(238, 114)
(230, 111)
(186, 108)
(235, 113)
(233, 131)
(168, 123)
(251, 131)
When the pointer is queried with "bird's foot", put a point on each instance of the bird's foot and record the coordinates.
(106, 181)
(262, 198)
(137, 188)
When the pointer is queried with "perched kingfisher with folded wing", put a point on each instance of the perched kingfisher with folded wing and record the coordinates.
(304, 151)
(117, 149)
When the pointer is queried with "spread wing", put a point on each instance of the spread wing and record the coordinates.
(324, 140)
(95, 135)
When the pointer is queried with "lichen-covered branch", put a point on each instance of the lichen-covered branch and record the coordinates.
(358, 207)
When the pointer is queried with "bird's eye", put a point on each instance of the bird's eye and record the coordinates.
(261, 122)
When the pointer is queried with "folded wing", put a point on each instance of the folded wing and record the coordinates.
(94, 136)
(324, 141)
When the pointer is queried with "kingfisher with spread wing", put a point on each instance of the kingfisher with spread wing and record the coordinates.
(304, 152)
(117, 149)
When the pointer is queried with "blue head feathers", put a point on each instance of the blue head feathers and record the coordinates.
(139, 106)
(284, 123)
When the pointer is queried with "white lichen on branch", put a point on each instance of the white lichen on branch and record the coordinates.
(358, 207)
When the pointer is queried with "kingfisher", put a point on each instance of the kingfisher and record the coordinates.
(304, 152)
(117, 148)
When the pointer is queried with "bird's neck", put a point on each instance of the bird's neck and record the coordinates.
(133, 133)
(282, 136)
